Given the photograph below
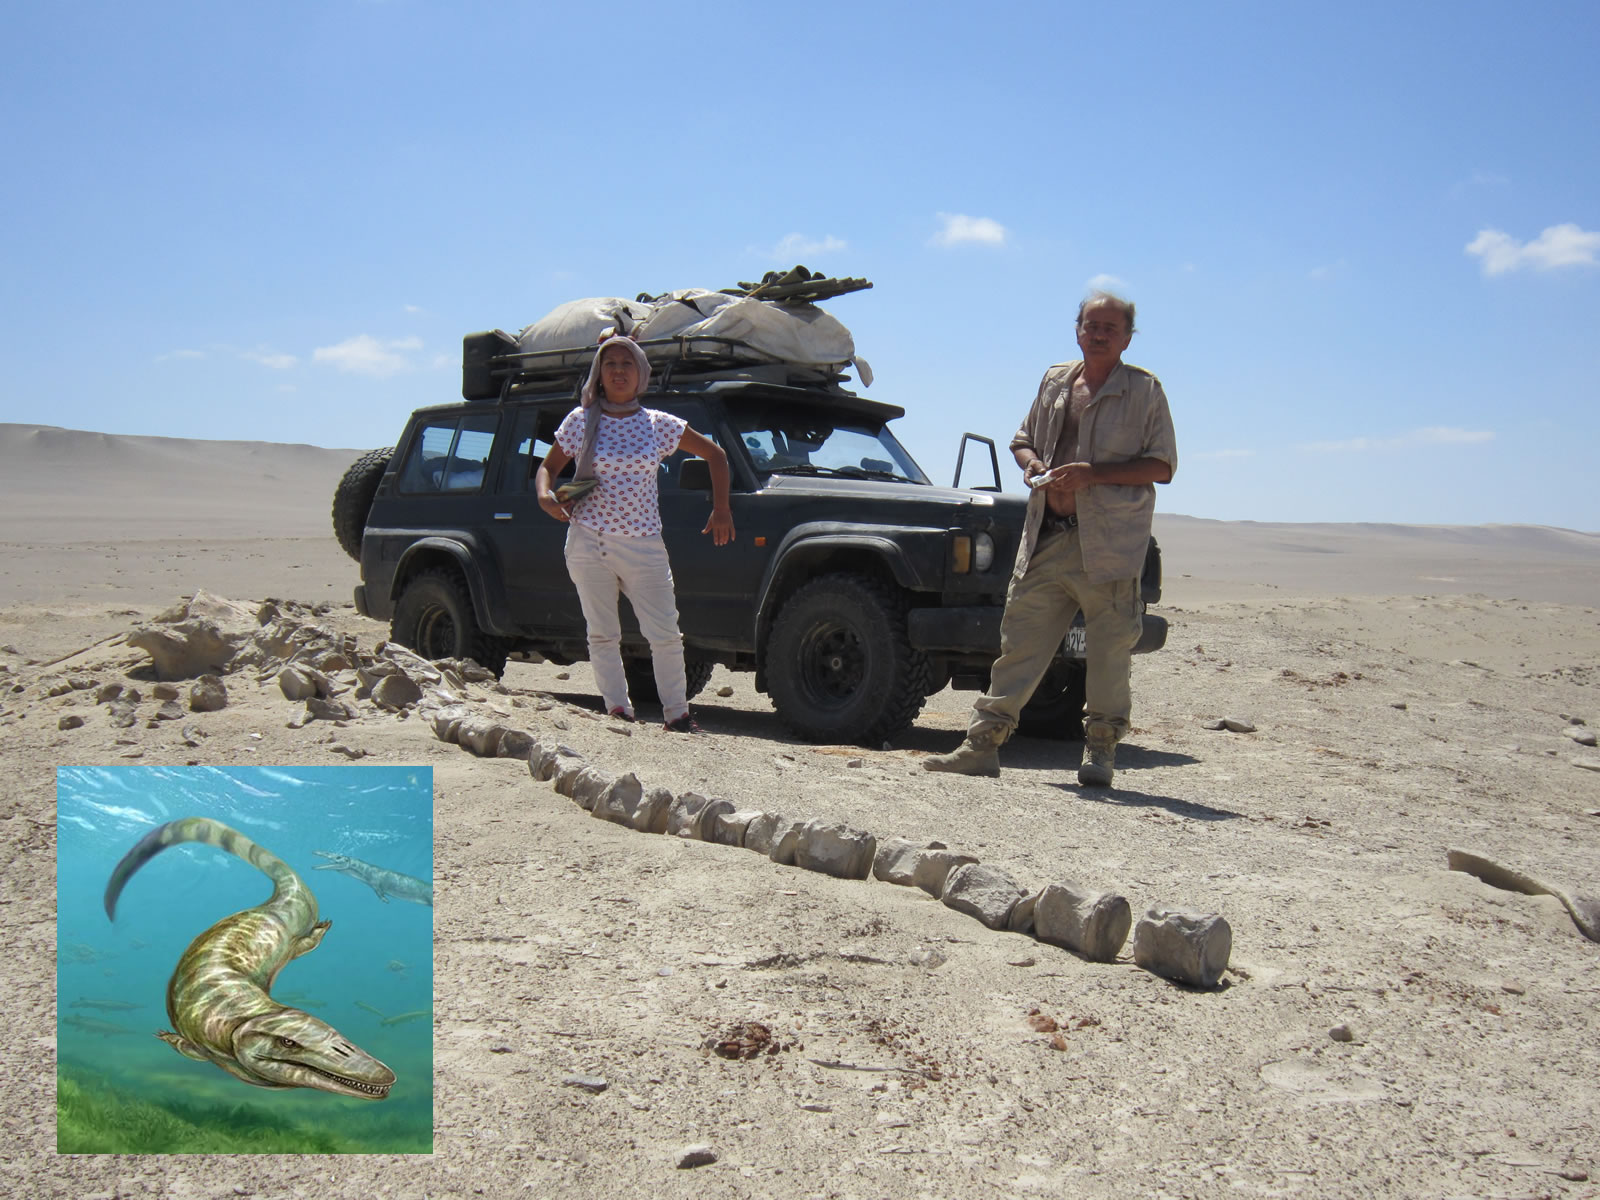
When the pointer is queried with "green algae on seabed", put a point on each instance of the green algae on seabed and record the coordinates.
(95, 1118)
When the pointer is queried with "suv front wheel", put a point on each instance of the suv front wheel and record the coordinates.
(839, 665)
(434, 617)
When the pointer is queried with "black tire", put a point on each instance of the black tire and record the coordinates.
(642, 678)
(839, 665)
(1056, 709)
(352, 499)
(434, 617)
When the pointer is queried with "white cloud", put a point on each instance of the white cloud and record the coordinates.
(366, 355)
(444, 360)
(798, 246)
(1432, 435)
(1223, 454)
(180, 354)
(1107, 283)
(413, 309)
(960, 228)
(1333, 270)
(1558, 246)
(278, 362)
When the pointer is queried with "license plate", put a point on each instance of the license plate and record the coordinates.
(1077, 641)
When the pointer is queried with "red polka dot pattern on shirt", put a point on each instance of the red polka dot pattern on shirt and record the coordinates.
(627, 459)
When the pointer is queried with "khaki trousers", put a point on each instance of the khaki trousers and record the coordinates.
(1039, 609)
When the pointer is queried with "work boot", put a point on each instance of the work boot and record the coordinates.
(978, 755)
(1099, 757)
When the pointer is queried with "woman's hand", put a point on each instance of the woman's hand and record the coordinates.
(558, 510)
(720, 526)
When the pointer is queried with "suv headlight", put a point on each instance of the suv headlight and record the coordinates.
(983, 552)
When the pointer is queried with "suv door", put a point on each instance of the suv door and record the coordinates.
(530, 544)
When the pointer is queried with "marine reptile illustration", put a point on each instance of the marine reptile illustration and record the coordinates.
(380, 879)
(218, 997)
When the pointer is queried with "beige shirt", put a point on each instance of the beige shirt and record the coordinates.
(1126, 419)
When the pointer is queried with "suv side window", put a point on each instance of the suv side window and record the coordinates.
(532, 435)
(450, 455)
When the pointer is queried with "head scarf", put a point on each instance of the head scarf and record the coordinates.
(592, 390)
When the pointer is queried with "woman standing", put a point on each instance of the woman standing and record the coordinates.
(614, 530)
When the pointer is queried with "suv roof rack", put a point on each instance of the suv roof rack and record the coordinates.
(492, 367)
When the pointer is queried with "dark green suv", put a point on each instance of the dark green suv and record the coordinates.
(855, 589)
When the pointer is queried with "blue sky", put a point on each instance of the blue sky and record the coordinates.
(1363, 238)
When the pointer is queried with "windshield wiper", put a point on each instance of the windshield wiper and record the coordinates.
(839, 472)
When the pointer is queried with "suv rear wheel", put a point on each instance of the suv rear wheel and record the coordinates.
(839, 664)
(434, 617)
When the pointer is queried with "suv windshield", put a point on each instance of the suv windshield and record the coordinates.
(797, 441)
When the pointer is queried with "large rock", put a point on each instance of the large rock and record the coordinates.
(515, 743)
(542, 762)
(1094, 924)
(984, 892)
(1188, 947)
(694, 816)
(619, 801)
(202, 636)
(301, 682)
(566, 775)
(835, 850)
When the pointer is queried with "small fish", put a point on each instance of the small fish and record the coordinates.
(402, 1018)
(397, 966)
(377, 1012)
(93, 1025)
(381, 880)
(106, 1005)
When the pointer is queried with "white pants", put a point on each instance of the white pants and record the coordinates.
(601, 565)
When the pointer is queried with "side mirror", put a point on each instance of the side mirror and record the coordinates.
(694, 475)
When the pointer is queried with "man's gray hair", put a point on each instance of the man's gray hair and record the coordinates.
(1097, 298)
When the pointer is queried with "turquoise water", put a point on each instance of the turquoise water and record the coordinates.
(122, 1090)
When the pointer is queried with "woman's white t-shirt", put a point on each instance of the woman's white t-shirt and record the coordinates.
(627, 458)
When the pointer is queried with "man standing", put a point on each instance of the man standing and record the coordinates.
(1092, 447)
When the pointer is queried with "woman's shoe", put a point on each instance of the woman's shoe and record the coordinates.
(684, 724)
(621, 714)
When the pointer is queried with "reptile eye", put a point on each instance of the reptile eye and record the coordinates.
(288, 1043)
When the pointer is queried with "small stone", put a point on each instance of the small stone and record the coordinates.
(1187, 947)
(1584, 737)
(1515, 989)
(1237, 725)
(1342, 1033)
(297, 683)
(347, 751)
(164, 691)
(563, 674)
(1094, 924)
(1400, 704)
(593, 1084)
(588, 786)
(514, 743)
(934, 866)
(836, 850)
(1217, 724)
(170, 710)
(928, 957)
(984, 892)
(208, 694)
(1588, 764)
(854, 762)
(764, 829)
(395, 692)
(72, 721)
(110, 692)
(192, 734)
(699, 1155)
(724, 691)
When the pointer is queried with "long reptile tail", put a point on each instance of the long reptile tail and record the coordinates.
(286, 885)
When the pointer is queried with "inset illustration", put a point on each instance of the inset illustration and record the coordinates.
(166, 937)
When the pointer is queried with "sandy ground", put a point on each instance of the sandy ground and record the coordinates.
(1413, 689)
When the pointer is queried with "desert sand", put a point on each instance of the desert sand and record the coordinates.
(1387, 1027)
